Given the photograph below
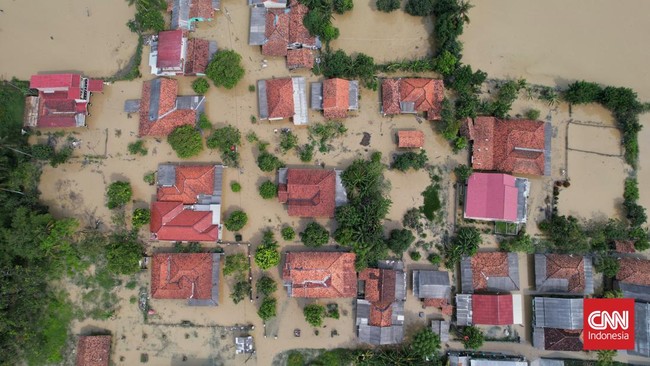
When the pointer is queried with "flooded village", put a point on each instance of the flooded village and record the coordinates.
(274, 243)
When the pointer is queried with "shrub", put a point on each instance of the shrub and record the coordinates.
(434, 259)
(288, 233)
(533, 114)
(582, 92)
(251, 137)
(425, 344)
(42, 152)
(472, 337)
(204, 122)
(288, 141)
(420, 8)
(412, 218)
(224, 138)
(148, 16)
(240, 290)
(186, 141)
(266, 286)
(267, 255)
(388, 6)
(225, 69)
(251, 88)
(191, 247)
(400, 240)
(236, 221)
(314, 235)
(268, 162)
(141, 217)
(445, 63)
(118, 194)
(314, 314)
(360, 66)
(464, 244)
(306, 153)
(61, 157)
(408, 160)
(521, 243)
(235, 264)
(463, 172)
(123, 254)
(608, 266)
(150, 178)
(432, 202)
(295, 359)
(415, 255)
(631, 191)
(635, 213)
(566, 234)
(341, 6)
(235, 187)
(268, 190)
(200, 86)
(267, 308)
(137, 148)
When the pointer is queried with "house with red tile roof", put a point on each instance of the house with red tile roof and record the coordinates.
(490, 272)
(311, 192)
(94, 350)
(62, 100)
(380, 303)
(489, 309)
(172, 53)
(301, 58)
(284, 98)
(161, 110)
(335, 97)
(496, 197)
(564, 273)
(557, 323)
(624, 246)
(412, 95)
(185, 13)
(189, 276)
(510, 146)
(325, 275)
(633, 278)
(188, 205)
(409, 139)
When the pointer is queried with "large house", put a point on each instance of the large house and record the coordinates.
(284, 98)
(172, 53)
(490, 272)
(311, 192)
(94, 350)
(188, 203)
(496, 197)
(161, 110)
(380, 304)
(433, 289)
(187, 12)
(412, 95)
(488, 309)
(335, 97)
(62, 100)
(325, 275)
(557, 323)
(510, 146)
(563, 273)
(633, 278)
(191, 276)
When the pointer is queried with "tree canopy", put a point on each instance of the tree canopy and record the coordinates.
(267, 254)
(410, 160)
(225, 69)
(268, 162)
(400, 240)
(266, 286)
(472, 337)
(268, 190)
(267, 309)
(236, 220)
(314, 314)
(464, 244)
(186, 141)
(200, 86)
(118, 194)
(314, 235)
(425, 343)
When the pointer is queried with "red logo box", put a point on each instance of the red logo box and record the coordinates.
(608, 324)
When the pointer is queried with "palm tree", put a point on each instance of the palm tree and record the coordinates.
(463, 10)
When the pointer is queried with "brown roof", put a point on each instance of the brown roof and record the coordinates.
(276, 32)
(168, 116)
(201, 9)
(302, 58)
(488, 264)
(571, 268)
(380, 292)
(562, 339)
(94, 350)
(320, 274)
(309, 192)
(191, 181)
(634, 271)
(426, 95)
(408, 139)
(298, 33)
(624, 246)
(390, 96)
(512, 146)
(198, 56)
(181, 276)
(279, 96)
(336, 98)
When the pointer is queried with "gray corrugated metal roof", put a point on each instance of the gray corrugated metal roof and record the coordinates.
(431, 284)
(407, 107)
(400, 285)
(300, 109)
(317, 96)
(474, 362)
(641, 330)
(212, 49)
(538, 338)
(262, 101)
(562, 313)
(166, 176)
(397, 317)
(341, 197)
(547, 362)
(441, 328)
(216, 4)
(282, 175)
(363, 311)
(589, 276)
(354, 95)
(381, 335)
(132, 105)
(181, 15)
(466, 284)
(523, 187)
(638, 292)
(154, 100)
(548, 136)
(257, 27)
(463, 309)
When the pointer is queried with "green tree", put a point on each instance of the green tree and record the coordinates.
(464, 244)
(288, 233)
(408, 160)
(186, 141)
(268, 162)
(236, 220)
(582, 92)
(420, 8)
(267, 254)
(388, 6)
(533, 114)
(521, 243)
(148, 16)
(606, 357)
(566, 234)
(434, 259)
(306, 153)
(141, 217)
(235, 264)
(225, 69)
(118, 194)
(635, 213)
(446, 63)
(200, 86)
(295, 359)
(123, 253)
(608, 266)
(415, 255)
(314, 314)
(425, 344)
(42, 152)
(240, 290)
(204, 122)
(267, 308)
(224, 138)
(268, 190)
(400, 240)
(631, 191)
(472, 337)
(463, 172)
(266, 286)
(314, 235)
(613, 294)
(341, 6)
(137, 148)
(235, 187)
(288, 141)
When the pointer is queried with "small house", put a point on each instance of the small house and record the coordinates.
(564, 273)
(412, 96)
(185, 13)
(557, 323)
(490, 272)
(311, 192)
(190, 276)
(172, 53)
(496, 197)
(408, 139)
(94, 350)
(633, 278)
(284, 98)
(322, 275)
(489, 309)
(335, 97)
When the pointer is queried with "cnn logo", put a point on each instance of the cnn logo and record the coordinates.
(608, 324)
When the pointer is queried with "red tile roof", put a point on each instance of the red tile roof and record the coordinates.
(380, 292)
(634, 271)
(512, 146)
(320, 274)
(279, 95)
(170, 45)
(198, 56)
(426, 94)
(492, 309)
(410, 139)
(298, 33)
(309, 192)
(181, 276)
(94, 350)
(390, 96)
(488, 264)
(169, 117)
(336, 98)
(624, 246)
(563, 339)
(171, 221)
(201, 9)
(302, 58)
(571, 268)
(491, 196)
(276, 32)
(191, 181)
(55, 81)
